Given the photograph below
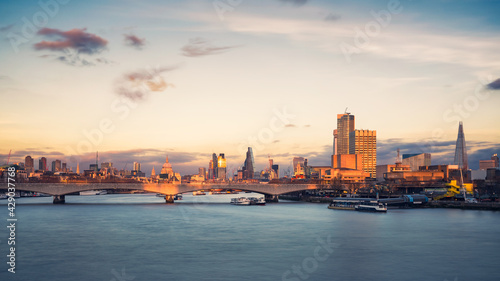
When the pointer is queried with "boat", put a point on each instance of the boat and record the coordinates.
(257, 201)
(178, 197)
(199, 192)
(93, 192)
(3, 196)
(240, 201)
(345, 203)
(160, 195)
(372, 206)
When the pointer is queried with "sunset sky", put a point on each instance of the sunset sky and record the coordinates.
(137, 80)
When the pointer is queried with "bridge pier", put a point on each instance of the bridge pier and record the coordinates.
(271, 198)
(59, 199)
(169, 199)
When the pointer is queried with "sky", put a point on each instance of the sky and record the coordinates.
(140, 80)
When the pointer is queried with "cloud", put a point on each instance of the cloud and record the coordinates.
(77, 39)
(75, 45)
(6, 28)
(295, 2)
(137, 85)
(332, 17)
(307, 126)
(134, 41)
(290, 126)
(495, 85)
(198, 47)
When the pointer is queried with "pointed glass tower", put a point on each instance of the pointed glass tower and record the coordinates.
(461, 149)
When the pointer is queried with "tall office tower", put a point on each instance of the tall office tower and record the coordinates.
(461, 149)
(42, 164)
(221, 167)
(78, 168)
(137, 166)
(108, 165)
(249, 165)
(364, 143)
(29, 164)
(64, 167)
(345, 125)
(57, 165)
(495, 160)
(417, 160)
(210, 169)
(214, 168)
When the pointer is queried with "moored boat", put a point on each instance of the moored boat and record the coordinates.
(372, 206)
(240, 201)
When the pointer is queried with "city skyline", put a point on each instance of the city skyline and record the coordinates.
(188, 80)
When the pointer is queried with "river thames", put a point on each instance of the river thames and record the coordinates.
(139, 237)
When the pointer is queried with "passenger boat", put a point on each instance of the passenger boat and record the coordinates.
(372, 206)
(257, 201)
(178, 197)
(240, 201)
(345, 203)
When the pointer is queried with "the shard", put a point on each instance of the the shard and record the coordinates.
(461, 149)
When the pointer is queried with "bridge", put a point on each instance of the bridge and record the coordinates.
(59, 190)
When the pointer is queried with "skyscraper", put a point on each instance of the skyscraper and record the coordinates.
(214, 166)
(221, 167)
(364, 143)
(461, 149)
(56, 166)
(249, 166)
(345, 125)
(137, 166)
(28, 164)
(42, 164)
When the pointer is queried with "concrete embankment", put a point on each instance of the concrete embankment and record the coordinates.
(492, 206)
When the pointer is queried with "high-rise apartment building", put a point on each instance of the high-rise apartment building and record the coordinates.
(345, 125)
(364, 143)
(29, 164)
(42, 164)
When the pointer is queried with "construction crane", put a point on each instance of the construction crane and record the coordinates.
(345, 112)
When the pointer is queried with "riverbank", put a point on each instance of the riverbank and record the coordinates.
(490, 206)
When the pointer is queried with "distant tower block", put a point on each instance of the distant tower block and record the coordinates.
(461, 149)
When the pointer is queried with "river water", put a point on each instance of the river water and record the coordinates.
(139, 237)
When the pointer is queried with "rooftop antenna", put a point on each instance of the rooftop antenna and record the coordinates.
(398, 161)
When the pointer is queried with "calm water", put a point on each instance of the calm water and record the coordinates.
(138, 237)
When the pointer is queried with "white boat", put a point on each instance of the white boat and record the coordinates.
(372, 206)
(93, 192)
(240, 201)
(257, 201)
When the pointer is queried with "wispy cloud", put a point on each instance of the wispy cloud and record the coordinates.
(290, 126)
(133, 41)
(137, 85)
(495, 85)
(198, 47)
(72, 44)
